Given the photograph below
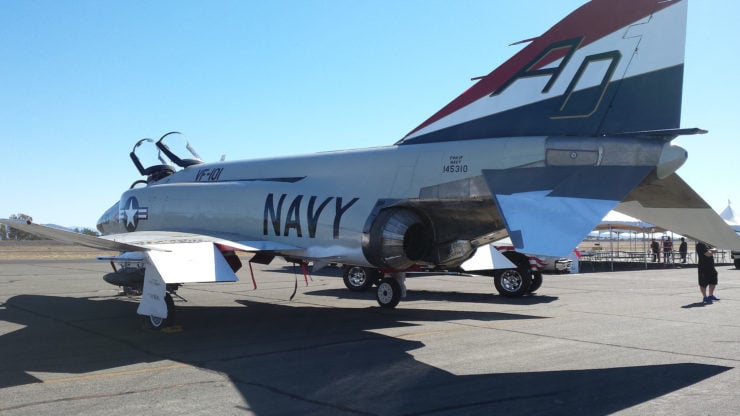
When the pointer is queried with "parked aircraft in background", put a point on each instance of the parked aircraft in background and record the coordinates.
(577, 123)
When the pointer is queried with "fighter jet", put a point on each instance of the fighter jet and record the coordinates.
(577, 123)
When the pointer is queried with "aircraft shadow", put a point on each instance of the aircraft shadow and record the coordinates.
(424, 295)
(416, 294)
(287, 359)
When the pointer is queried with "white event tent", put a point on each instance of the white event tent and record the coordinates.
(732, 219)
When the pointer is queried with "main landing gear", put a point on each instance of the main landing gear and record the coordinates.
(517, 282)
(360, 279)
(130, 278)
(390, 289)
(156, 323)
(510, 283)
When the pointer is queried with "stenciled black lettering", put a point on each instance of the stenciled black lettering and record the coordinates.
(586, 106)
(313, 216)
(203, 173)
(214, 174)
(527, 71)
(340, 211)
(272, 215)
(293, 218)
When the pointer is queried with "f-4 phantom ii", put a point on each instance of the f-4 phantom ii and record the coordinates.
(577, 123)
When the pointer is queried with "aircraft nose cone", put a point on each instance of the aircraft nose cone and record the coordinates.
(671, 158)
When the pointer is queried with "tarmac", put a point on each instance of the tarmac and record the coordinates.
(628, 343)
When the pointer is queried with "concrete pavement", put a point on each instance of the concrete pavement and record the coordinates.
(630, 343)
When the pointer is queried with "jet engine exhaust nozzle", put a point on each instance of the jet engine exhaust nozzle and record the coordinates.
(398, 239)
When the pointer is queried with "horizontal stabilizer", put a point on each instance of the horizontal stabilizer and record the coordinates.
(671, 204)
(549, 210)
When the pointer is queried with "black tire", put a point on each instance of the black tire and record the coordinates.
(737, 263)
(360, 279)
(536, 282)
(389, 293)
(170, 309)
(155, 323)
(513, 283)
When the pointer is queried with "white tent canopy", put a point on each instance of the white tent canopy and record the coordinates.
(732, 219)
(617, 221)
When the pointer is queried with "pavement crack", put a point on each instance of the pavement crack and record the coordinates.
(459, 409)
(107, 395)
(295, 396)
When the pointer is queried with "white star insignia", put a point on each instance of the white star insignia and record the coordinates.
(130, 213)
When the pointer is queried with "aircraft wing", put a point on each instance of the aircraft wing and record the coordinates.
(66, 236)
(142, 240)
(153, 239)
(175, 257)
(671, 204)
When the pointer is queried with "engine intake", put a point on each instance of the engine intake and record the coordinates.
(398, 239)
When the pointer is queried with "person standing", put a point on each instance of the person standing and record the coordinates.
(683, 249)
(707, 272)
(667, 250)
(655, 247)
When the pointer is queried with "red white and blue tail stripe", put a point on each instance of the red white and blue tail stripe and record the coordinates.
(610, 67)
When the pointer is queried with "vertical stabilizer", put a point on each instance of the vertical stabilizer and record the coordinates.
(609, 67)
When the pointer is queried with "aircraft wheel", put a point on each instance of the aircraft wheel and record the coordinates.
(514, 282)
(359, 279)
(156, 323)
(389, 293)
(536, 282)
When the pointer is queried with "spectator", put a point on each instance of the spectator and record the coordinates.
(707, 272)
(655, 247)
(667, 250)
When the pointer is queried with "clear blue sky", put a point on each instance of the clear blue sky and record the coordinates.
(82, 81)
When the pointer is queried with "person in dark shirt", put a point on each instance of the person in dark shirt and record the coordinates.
(707, 272)
(683, 249)
(655, 247)
(667, 250)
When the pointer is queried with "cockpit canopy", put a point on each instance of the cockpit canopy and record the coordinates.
(162, 158)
